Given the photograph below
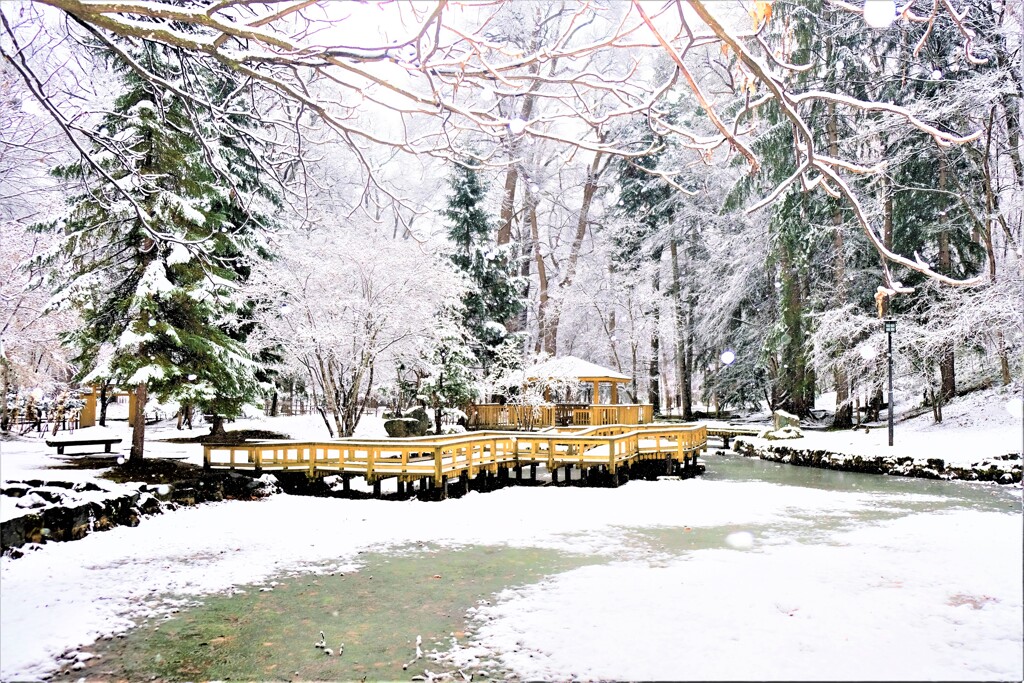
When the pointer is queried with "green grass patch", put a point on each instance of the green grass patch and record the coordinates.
(376, 612)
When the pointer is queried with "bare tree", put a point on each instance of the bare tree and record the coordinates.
(439, 66)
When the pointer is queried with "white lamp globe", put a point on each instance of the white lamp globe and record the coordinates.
(879, 13)
(727, 357)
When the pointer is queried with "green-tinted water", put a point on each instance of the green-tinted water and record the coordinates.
(376, 612)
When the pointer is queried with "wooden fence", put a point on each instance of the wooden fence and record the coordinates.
(439, 459)
(513, 416)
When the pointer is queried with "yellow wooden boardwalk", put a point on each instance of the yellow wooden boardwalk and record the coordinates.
(437, 460)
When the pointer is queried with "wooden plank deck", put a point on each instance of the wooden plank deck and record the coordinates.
(726, 432)
(440, 459)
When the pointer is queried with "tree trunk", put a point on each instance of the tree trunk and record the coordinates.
(103, 404)
(508, 203)
(5, 378)
(684, 391)
(947, 364)
(654, 367)
(217, 430)
(330, 392)
(546, 338)
(139, 425)
(273, 404)
(589, 189)
(843, 418)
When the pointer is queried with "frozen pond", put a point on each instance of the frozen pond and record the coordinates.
(755, 571)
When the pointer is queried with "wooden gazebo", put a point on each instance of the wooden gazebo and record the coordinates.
(576, 393)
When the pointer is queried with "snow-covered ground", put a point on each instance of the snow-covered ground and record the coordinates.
(925, 596)
(974, 427)
(889, 591)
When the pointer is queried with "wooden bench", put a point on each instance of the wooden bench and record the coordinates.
(61, 444)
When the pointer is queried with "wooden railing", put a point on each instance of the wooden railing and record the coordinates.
(439, 458)
(514, 416)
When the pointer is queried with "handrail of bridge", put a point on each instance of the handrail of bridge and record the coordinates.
(441, 457)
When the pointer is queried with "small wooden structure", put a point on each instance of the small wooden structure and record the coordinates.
(434, 461)
(90, 413)
(597, 401)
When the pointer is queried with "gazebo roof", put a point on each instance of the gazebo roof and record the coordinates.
(576, 368)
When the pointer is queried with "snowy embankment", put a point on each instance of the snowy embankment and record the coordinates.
(978, 439)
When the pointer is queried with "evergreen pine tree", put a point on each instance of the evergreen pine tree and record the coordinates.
(495, 292)
(154, 245)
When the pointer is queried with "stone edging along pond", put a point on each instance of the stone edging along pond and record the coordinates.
(68, 512)
(1004, 469)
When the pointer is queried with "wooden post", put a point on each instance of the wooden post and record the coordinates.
(206, 455)
(444, 488)
(258, 459)
(533, 471)
(438, 468)
(568, 474)
(376, 489)
(554, 475)
(87, 418)
(346, 483)
(401, 487)
(615, 395)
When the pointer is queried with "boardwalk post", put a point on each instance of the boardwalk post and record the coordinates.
(438, 465)
(206, 456)
(376, 489)
(533, 471)
(554, 476)
(346, 482)
(401, 487)
(444, 488)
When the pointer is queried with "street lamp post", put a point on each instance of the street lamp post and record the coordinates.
(890, 327)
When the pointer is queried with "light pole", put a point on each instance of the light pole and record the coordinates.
(890, 327)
